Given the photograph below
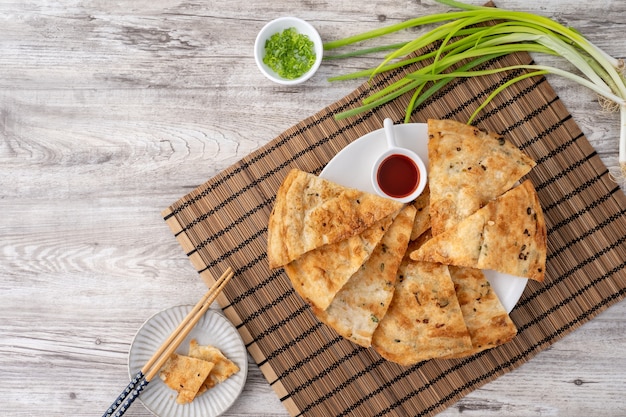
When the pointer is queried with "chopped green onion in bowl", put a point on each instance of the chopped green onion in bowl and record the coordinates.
(288, 50)
(289, 54)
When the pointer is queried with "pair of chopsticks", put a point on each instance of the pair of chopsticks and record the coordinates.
(150, 369)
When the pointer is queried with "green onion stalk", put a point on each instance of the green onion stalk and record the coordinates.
(464, 43)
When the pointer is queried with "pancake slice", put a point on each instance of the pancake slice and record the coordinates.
(310, 212)
(185, 375)
(468, 168)
(508, 235)
(424, 320)
(318, 275)
(487, 321)
(422, 217)
(363, 301)
(223, 367)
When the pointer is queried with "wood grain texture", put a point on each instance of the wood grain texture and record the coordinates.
(111, 111)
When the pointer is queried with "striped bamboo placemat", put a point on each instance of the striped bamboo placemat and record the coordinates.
(315, 372)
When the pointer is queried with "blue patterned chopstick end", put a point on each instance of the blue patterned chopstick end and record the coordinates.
(130, 393)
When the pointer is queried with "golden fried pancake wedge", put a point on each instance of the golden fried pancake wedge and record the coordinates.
(185, 375)
(223, 367)
(363, 301)
(318, 275)
(424, 320)
(487, 321)
(468, 167)
(310, 212)
(508, 235)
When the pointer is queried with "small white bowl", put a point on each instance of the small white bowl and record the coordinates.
(278, 25)
(394, 151)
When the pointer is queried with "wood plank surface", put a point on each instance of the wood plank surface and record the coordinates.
(111, 111)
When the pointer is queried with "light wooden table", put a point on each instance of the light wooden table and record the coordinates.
(111, 111)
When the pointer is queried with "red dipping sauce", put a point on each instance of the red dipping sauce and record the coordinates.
(398, 176)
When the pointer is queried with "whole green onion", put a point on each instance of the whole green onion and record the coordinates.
(463, 43)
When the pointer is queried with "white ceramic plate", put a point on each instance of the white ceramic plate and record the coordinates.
(352, 167)
(212, 329)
